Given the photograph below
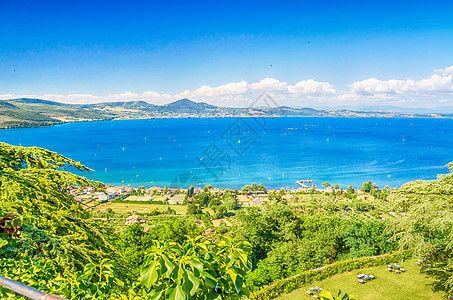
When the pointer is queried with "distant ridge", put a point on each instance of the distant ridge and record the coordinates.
(127, 104)
(186, 103)
(25, 112)
(35, 101)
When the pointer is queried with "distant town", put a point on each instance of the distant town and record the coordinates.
(24, 112)
(126, 205)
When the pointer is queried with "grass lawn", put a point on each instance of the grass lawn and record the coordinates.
(141, 208)
(409, 285)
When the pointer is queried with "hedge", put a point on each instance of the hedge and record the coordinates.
(289, 284)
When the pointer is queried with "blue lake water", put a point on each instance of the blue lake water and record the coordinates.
(230, 152)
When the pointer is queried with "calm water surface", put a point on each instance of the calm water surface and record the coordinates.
(233, 152)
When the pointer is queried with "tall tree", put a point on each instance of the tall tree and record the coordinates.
(56, 230)
(427, 225)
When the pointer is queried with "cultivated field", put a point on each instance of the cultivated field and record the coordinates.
(141, 208)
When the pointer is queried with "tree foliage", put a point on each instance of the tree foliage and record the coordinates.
(55, 232)
(427, 225)
(197, 270)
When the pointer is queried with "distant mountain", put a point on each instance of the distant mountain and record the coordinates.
(186, 103)
(128, 105)
(36, 112)
(35, 101)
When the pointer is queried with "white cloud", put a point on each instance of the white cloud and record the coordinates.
(435, 88)
(269, 84)
(440, 81)
(311, 86)
(444, 72)
(205, 91)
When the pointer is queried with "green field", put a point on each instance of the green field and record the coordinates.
(409, 285)
(141, 208)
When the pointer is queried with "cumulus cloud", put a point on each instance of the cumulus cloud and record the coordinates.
(269, 84)
(233, 88)
(440, 81)
(311, 86)
(437, 87)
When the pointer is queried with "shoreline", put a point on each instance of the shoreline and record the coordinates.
(411, 116)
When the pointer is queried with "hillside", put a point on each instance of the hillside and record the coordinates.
(37, 113)
(26, 112)
(188, 104)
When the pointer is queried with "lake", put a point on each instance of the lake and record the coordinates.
(233, 152)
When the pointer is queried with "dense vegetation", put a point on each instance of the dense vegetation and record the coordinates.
(50, 242)
(427, 225)
(37, 113)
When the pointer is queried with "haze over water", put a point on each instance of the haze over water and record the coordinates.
(234, 152)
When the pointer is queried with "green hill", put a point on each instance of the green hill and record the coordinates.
(37, 113)
(26, 112)
(188, 104)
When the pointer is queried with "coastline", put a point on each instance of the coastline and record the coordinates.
(31, 113)
(371, 116)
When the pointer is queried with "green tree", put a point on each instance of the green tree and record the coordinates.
(197, 270)
(220, 211)
(326, 184)
(350, 190)
(110, 212)
(193, 209)
(56, 232)
(190, 192)
(203, 198)
(246, 189)
(229, 201)
(366, 187)
(427, 225)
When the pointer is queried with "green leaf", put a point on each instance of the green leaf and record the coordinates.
(179, 294)
(119, 282)
(232, 274)
(195, 282)
(238, 283)
(208, 275)
(168, 265)
(245, 291)
(196, 264)
(149, 275)
(326, 294)
(157, 295)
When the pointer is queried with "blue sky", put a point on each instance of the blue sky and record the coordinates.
(303, 53)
